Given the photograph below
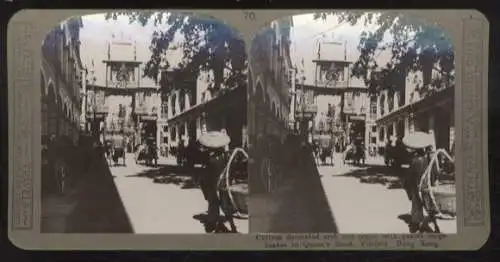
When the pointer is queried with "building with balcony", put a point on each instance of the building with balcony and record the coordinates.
(190, 109)
(61, 80)
(404, 112)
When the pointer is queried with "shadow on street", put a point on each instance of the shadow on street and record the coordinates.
(99, 208)
(299, 204)
(375, 174)
(171, 174)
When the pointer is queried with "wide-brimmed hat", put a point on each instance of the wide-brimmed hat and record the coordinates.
(418, 140)
(214, 139)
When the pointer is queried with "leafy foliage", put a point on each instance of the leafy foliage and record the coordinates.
(415, 46)
(209, 46)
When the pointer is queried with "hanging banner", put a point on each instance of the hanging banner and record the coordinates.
(349, 103)
(100, 99)
(140, 105)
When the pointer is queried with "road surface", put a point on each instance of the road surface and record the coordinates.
(368, 200)
(160, 208)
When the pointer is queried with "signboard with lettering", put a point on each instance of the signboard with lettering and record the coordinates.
(357, 118)
(148, 118)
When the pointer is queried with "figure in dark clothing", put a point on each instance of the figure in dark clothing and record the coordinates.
(215, 161)
(181, 153)
(418, 165)
(192, 153)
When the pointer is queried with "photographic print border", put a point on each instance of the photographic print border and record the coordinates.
(25, 34)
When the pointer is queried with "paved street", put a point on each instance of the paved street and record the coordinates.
(157, 204)
(368, 200)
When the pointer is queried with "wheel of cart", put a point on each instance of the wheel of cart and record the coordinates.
(233, 187)
(437, 189)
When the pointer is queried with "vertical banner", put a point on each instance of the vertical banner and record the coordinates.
(139, 103)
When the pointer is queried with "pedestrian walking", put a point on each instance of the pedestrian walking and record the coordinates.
(215, 144)
(420, 143)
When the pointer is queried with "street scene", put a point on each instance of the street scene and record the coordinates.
(144, 125)
(365, 142)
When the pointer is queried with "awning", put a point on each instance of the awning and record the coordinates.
(235, 98)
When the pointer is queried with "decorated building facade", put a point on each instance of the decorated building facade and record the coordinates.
(271, 82)
(61, 80)
(124, 104)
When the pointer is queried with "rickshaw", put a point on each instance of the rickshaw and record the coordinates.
(355, 152)
(147, 152)
(232, 185)
(437, 185)
(325, 148)
(118, 150)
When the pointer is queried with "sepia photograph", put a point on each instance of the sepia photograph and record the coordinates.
(351, 123)
(250, 130)
(144, 125)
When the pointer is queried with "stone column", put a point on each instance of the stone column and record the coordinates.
(198, 127)
(169, 107)
(244, 133)
(177, 134)
(396, 100)
(411, 123)
(407, 125)
(386, 102)
(186, 132)
(187, 102)
(378, 115)
(394, 129)
(432, 129)
(177, 103)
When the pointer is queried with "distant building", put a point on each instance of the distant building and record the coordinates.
(404, 112)
(61, 80)
(123, 104)
(342, 101)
